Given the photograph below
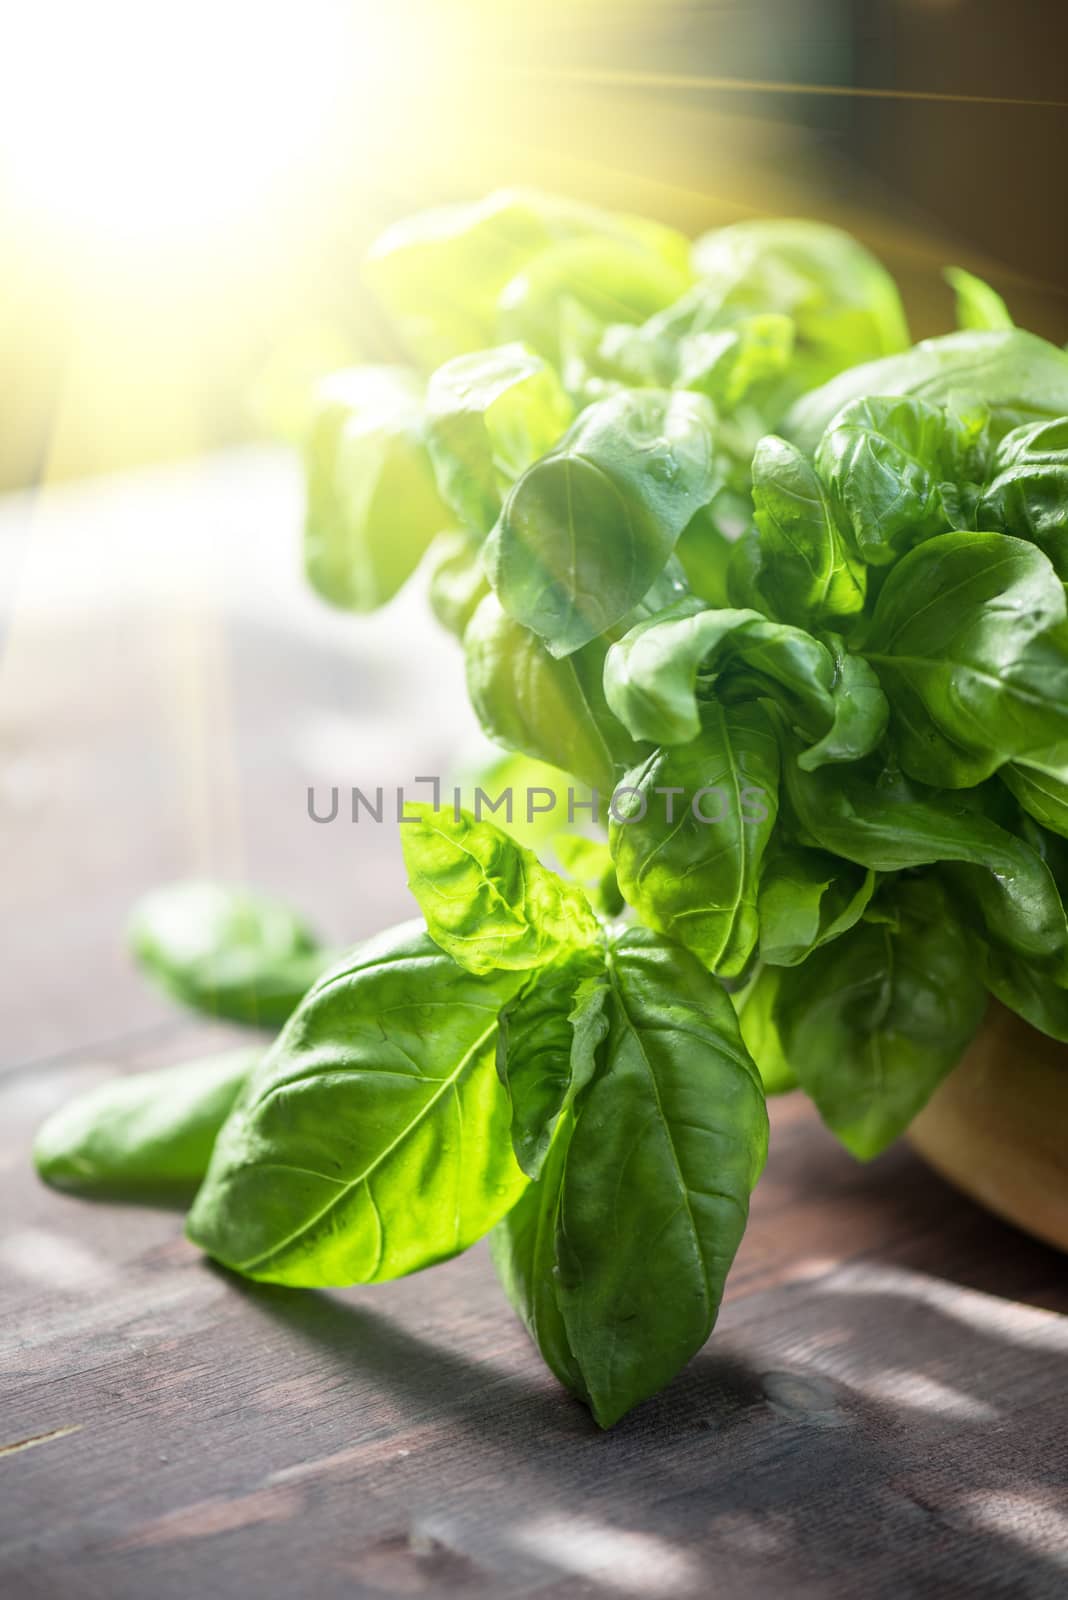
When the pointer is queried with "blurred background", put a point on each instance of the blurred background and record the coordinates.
(186, 191)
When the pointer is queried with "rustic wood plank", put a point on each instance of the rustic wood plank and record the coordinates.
(881, 1409)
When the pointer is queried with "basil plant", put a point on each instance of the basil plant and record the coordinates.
(713, 538)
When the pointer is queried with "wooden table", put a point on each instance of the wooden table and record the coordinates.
(881, 1411)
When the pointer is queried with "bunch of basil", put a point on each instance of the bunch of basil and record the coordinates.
(690, 545)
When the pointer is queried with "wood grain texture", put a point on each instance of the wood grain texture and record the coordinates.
(880, 1411)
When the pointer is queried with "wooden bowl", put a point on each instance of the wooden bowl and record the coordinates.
(998, 1126)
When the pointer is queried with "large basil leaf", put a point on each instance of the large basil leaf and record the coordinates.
(1018, 376)
(488, 901)
(755, 1004)
(373, 1140)
(872, 1023)
(881, 820)
(806, 899)
(661, 672)
(669, 1140)
(553, 710)
(226, 951)
(1027, 494)
(603, 280)
(799, 566)
(962, 641)
(441, 273)
(546, 1050)
(373, 505)
(844, 304)
(584, 532)
(490, 416)
(884, 461)
(689, 831)
(144, 1136)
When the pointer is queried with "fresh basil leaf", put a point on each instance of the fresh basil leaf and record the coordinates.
(806, 899)
(373, 1139)
(884, 460)
(755, 1004)
(441, 273)
(802, 568)
(490, 415)
(1027, 495)
(872, 1023)
(456, 581)
(1024, 989)
(978, 305)
(689, 831)
(145, 1136)
(734, 364)
(372, 504)
(588, 528)
(226, 951)
(608, 280)
(523, 1247)
(488, 901)
(589, 862)
(844, 304)
(1017, 376)
(963, 642)
(1042, 795)
(658, 676)
(878, 819)
(669, 1140)
(553, 710)
(546, 1049)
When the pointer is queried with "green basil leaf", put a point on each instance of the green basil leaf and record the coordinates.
(553, 710)
(523, 1247)
(660, 673)
(978, 305)
(755, 1005)
(488, 901)
(881, 820)
(373, 1139)
(669, 1140)
(802, 567)
(589, 527)
(490, 416)
(372, 503)
(1042, 795)
(456, 580)
(226, 951)
(1016, 375)
(845, 305)
(872, 1023)
(806, 899)
(957, 642)
(688, 873)
(734, 364)
(883, 460)
(589, 862)
(1027, 494)
(546, 1048)
(608, 280)
(1031, 993)
(145, 1136)
(441, 273)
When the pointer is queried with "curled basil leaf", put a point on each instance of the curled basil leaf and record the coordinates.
(488, 901)
(806, 899)
(226, 951)
(689, 831)
(798, 566)
(553, 710)
(490, 415)
(373, 1139)
(584, 532)
(1027, 495)
(372, 503)
(145, 1136)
